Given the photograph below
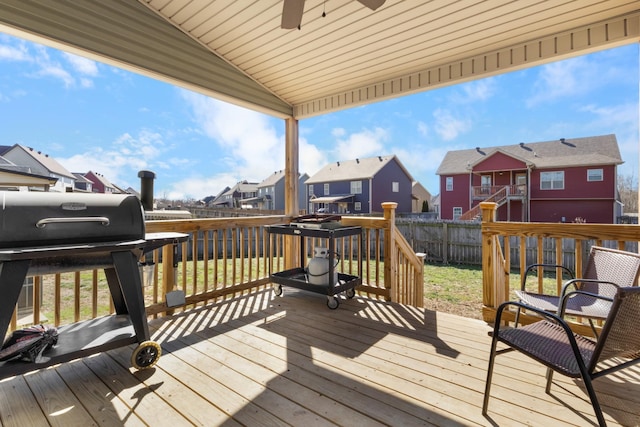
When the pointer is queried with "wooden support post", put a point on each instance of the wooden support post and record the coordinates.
(488, 260)
(390, 262)
(168, 273)
(291, 190)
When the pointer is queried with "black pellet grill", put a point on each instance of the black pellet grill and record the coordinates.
(46, 233)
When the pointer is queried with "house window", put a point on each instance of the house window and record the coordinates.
(395, 187)
(310, 190)
(449, 183)
(552, 180)
(326, 190)
(457, 213)
(357, 206)
(356, 187)
(594, 175)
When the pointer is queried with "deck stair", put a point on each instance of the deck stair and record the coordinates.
(474, 214)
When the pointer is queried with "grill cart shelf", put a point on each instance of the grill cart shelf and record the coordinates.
(297, 277)
(127, 326)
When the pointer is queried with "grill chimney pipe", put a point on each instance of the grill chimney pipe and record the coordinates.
(146, 189)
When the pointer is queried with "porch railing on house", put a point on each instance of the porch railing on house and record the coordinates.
(226, 257)
(498, 238)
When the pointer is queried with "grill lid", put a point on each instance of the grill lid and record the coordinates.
(32, 219)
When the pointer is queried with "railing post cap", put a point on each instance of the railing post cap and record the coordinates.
(389, 205)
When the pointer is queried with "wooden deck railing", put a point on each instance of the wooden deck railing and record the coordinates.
(499, 238)
(226, 257)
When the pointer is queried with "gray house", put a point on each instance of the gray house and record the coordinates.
(271, 191)
(38, 163)
(241, 195)
(360, 186)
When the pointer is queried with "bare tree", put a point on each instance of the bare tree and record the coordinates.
(628, 190)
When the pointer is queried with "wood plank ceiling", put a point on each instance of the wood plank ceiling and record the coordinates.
(350, 57)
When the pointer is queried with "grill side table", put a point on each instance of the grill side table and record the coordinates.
(297, 277)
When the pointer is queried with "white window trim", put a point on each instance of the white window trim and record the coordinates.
(600, 176)
(551, 181)
(356, 187)
(459, 210)
(448, 180)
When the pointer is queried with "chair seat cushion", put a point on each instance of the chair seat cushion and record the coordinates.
(549, 344)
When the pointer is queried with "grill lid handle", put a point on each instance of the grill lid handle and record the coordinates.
(101, 219)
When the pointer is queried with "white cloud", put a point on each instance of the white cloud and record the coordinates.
(120, 162)
(447, 126)
(361, 144)
(250, 138)
(338, 132)
(77, 73)
(565, 79)
(423, 129)
(82, 65)
(480, 90)
(14, 53)
(197, 187)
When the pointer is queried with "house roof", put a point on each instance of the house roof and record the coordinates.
(236, 51)
(47, 162)
(594, 150)
(347, 170)
(99, 177)
(272, 179)
(275, 177)
(242, 187)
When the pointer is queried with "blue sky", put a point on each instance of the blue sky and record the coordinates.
(91, 116)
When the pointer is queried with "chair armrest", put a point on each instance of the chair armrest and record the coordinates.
(533, 267)
(553, 317)
(573, 283)
(572, 294)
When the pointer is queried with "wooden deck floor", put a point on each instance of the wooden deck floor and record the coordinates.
(262, 360)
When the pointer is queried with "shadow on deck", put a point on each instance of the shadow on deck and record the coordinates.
(265, 360)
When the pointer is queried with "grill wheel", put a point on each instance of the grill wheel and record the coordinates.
(146, 355)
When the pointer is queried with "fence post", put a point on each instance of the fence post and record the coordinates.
(390, 267)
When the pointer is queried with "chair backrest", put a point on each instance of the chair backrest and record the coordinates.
(611, 265)
(620, 336)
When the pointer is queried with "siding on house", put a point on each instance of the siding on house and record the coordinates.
(483, 172)
(376, 176)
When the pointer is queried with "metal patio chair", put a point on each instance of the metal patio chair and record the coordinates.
(552, 343)
(606, 270)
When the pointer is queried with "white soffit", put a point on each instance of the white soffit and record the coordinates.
(236, 51)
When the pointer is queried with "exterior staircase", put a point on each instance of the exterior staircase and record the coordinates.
(473, 214)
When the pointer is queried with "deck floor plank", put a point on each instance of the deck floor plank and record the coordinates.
(275, 361)
(58, 402)
(18, 405)
(139, 397)
(103, 406)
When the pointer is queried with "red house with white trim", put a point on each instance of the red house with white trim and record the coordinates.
(565, 180)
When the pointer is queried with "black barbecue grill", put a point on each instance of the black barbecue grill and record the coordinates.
(45, 233)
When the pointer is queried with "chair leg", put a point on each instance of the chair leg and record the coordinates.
(594, 401)
(549, 376)
(517, 318)
(487, 388)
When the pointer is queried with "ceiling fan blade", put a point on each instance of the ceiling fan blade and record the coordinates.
(372, 4)
(292, 13)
